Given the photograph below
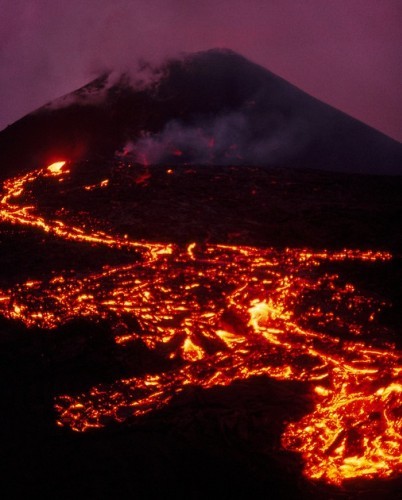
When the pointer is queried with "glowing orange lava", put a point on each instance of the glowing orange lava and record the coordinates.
(56, 168)
(228, 313)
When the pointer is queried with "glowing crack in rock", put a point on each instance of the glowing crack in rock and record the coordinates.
(227, 313)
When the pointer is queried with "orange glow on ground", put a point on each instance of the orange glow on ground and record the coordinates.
(227, 313)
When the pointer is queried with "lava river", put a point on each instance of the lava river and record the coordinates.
(227, 313)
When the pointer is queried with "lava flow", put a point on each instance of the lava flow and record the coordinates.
(224, 313)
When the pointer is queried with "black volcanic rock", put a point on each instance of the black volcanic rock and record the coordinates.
(212, 107)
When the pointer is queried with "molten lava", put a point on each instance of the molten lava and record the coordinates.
(56, 168)
(227, 313)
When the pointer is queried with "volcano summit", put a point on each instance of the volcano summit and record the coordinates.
(213, 107)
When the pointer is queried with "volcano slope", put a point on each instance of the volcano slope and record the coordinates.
(215, 329)
(212, 107)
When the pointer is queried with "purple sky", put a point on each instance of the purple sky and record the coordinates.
(345, 52)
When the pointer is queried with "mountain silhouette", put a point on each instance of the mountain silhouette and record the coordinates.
(213, 107)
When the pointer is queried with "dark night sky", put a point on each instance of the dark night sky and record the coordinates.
(345, 52)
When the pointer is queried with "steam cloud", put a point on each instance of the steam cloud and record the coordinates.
(225, 140)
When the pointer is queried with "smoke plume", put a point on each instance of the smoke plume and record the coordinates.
(227, 139)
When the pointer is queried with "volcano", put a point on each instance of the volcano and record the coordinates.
(199, 292)
(213, 107)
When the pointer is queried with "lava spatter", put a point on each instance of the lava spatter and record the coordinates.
(227, 313)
